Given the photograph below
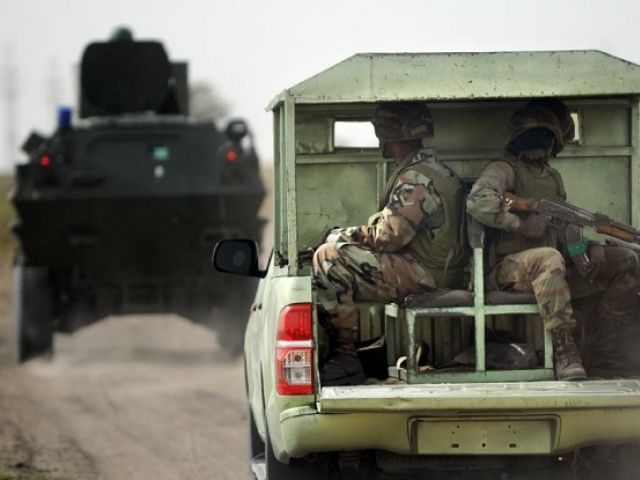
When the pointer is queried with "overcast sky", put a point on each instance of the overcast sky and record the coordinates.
(253, 49)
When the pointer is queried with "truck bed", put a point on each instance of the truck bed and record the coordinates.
(519, 418)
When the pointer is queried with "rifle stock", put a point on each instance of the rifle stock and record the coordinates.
(616, 232)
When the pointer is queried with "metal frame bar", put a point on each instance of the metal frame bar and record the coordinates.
(531, 375)
(363, 155)
(289, 152)
(635, 161)
(278, 203)
(479, 308)
(479, 311)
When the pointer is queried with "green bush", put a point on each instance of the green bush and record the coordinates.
(19, 474)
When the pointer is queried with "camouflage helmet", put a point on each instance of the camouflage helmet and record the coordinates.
(530, 117)
(400, 121)
(562, 112)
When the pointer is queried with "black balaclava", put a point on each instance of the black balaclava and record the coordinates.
(534, 145)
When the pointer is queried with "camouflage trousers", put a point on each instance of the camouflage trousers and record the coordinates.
(540, 271)
(345, 273)
(619, 281)
(609, 310)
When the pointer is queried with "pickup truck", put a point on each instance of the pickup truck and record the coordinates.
(420, 419)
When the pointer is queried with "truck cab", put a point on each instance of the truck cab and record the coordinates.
(423, 417)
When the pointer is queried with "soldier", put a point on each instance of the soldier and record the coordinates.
(527, 251)
(612, 334)
(411, 244)
(612, 286)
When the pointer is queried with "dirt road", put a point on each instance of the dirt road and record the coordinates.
(127, 398)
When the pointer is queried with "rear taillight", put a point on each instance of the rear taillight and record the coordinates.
(294, 351)
(45, 161)
(231, 156)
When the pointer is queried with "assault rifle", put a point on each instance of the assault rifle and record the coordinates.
(568, 213)
(575, 218)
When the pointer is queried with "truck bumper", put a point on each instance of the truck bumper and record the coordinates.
(466, 419)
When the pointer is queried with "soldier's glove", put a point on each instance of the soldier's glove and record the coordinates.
(534, 226)
(333, 236)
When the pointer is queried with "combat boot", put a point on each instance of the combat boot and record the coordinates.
(342, 366)
(568, 364)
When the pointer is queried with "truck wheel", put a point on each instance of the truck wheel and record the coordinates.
(256, 445)
(296, 469)
(33, 315)
(276, 470)
(256, 451)
(628, 462)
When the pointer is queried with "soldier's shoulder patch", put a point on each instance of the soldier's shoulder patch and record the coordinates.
(413, 177)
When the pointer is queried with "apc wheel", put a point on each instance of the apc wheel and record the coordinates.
(233, 322)
(33, 315)
(231, 333)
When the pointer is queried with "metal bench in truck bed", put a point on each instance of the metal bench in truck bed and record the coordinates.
(463, 303)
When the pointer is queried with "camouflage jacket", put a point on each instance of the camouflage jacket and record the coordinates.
(412, 205)
(484, 202)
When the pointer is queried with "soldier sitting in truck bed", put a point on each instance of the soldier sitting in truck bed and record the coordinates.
(412, 244)
(527, 250)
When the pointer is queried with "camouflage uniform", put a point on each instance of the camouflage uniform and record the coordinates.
(371, 262)
(526, 250)
(612, 333)
(539, 269)
(411, 244)
(614, 286)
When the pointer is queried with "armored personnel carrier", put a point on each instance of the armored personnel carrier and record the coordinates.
(118, 211)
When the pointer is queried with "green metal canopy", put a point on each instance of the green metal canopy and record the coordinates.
(373, 77)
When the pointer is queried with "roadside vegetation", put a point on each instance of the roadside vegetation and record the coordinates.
(20, 473)
(6, 246)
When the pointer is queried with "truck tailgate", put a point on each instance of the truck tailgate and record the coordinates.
(554, 395)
